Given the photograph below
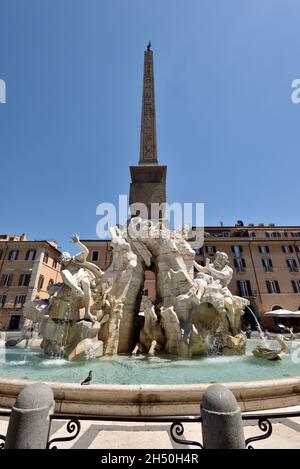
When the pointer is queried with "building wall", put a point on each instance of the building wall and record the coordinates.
(40, 270)
(101, 250)
(249, 239)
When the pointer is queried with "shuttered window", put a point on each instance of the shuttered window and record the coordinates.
(273, 286)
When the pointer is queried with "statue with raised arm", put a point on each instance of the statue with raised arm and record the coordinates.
(65, 333)
(79, 274)
(213, 280)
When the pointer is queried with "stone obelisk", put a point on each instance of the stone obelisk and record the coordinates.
(148, 179)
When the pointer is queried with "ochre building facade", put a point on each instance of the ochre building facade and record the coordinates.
(26, 270)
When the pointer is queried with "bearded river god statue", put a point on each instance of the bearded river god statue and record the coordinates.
(94, 313)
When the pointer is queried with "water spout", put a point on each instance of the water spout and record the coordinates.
(262, 335)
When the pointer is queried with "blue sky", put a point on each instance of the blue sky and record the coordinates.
(226, 125)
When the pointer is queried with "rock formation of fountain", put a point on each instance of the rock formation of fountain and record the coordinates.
(92, 313)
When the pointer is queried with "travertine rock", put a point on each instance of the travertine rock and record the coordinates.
(171, 327)
(87, 349)
(152, 337)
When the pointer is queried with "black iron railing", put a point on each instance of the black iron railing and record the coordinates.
(73, 425)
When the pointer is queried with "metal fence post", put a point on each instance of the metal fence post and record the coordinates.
(29, 422)
(222, 426)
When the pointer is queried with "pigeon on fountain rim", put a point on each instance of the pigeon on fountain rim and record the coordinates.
(88, 379)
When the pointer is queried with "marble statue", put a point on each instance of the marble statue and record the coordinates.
(108, 310)
(79, 274)
(67, 325)
(213, 280)
(271, 354)
(93, 313)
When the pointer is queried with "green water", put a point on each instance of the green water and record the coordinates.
(122, 369)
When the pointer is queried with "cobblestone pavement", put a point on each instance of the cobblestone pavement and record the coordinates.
(131, 435)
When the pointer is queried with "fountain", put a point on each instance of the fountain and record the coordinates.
(264, 350)
(92, 313)
(191, 334)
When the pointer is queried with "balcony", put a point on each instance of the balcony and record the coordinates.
(243, 233)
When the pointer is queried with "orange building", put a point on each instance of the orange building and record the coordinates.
(265, 262)
(26, 269)
(266, 265)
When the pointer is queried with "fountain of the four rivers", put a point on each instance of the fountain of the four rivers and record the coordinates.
(190, 336)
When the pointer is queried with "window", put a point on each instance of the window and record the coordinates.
(263, 249)
(297, 248)
(237, 250)
(51, 281)
(287, 248)
(54, 263)
(276, 307)
(198, 251)
(145, 292)
(6, 280)
(296, 286)
(24, 280)
(295, 234)
(292, 265)
(13, 255)
(276, 234)
(14, 322)
(30, 255)
(2, 300)
(273, 286)
(210, 249)
(244, 288)
(240, 265)
(267, 265)
(95, 255)
(20, 300)
(41, 282)
(46, 257)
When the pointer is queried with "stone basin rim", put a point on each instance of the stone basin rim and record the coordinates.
(154, 399)
(158, 387)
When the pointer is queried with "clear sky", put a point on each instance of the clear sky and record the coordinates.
(226, 125)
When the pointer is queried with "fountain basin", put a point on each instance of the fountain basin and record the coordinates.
(156, 400)
(137, 386)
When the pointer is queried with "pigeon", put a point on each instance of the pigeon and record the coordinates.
(88, 379)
